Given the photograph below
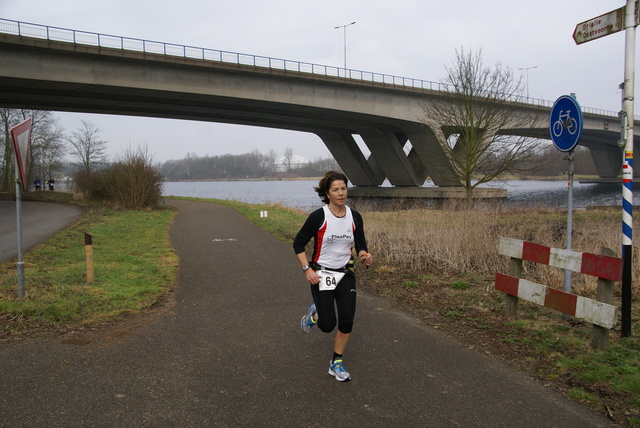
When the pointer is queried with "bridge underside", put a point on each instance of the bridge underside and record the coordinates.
(51, 76)
(46, 75)
(385, 138)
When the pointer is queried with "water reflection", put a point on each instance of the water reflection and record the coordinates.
(555, 194)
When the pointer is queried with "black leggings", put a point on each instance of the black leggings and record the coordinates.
(344, 296)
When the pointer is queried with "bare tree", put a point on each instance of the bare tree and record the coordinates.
(47, 143)
(87, 147)
(479, 122)
(270, 160)
(288, 158)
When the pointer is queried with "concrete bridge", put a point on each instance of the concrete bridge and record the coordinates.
(56, 69)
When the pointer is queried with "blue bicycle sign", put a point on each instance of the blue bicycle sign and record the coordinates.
(565, 123)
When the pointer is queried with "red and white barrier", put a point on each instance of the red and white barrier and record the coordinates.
(595, 312)
(604, 267)
(599, 313)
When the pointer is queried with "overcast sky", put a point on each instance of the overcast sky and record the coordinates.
(408, 38)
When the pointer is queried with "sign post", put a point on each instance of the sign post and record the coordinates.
(21, 135)
(623, 18)
(565, 127)
(630, 23)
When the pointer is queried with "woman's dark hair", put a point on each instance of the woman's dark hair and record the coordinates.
(325, 184)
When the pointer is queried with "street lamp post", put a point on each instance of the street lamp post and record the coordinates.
(345, 44)
(527, 69)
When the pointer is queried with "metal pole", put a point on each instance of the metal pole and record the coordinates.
(344, 27)
(627, 165)
(20, 263)
(345, 50)
(567, 272)
(527, 69)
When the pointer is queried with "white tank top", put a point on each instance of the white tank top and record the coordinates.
(335, 239)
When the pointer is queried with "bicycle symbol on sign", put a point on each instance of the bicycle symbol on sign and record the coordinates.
(565, 121)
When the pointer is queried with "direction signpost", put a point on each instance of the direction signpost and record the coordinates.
(600, 26)
(625, 18)
(21, 135)
(565, 127)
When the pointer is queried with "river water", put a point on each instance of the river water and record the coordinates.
(300, 194)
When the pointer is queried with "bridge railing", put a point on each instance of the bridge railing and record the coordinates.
(26, 29)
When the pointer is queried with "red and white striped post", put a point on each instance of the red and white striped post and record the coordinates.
(630, 23)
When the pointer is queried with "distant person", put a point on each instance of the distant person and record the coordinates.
(37, 183)
(51, 182)
(335, 229)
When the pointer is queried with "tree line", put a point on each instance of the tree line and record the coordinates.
(547, 162)
(249, 165)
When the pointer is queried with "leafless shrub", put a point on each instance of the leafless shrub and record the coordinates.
(132, 182)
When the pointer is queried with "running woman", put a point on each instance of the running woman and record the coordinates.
(335, 229)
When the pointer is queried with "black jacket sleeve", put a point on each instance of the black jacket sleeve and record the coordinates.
(359, 238)
(308, 230)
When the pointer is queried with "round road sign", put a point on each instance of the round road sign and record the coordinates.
(565, 123)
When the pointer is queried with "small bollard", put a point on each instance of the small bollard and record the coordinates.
(88, 249)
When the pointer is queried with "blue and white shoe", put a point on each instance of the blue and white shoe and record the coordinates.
(337, 370)
(307, 319)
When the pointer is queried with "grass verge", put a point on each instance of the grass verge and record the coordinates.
(134, 268)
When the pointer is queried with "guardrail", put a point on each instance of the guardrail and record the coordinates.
(26, 29)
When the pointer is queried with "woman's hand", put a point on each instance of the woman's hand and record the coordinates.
(312, 277)
(365, 258)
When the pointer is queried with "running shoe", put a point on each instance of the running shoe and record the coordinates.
(307, 319)
(337, 369)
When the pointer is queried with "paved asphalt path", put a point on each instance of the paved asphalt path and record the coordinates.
(39, 221)
(229, 352)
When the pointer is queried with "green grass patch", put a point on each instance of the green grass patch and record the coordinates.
(134, 267)
(411, 284)
(460, 284)
(453, 313)
(581, 395)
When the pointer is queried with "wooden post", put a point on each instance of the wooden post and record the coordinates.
(515, 269)
(604, 293)
(88, 249)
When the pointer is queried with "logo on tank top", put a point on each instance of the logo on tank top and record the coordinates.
(334, 238)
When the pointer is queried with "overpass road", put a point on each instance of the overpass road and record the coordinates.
(227, 351)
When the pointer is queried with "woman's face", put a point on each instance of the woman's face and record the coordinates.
(337, 192)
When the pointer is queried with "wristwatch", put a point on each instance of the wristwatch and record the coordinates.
(305, 268)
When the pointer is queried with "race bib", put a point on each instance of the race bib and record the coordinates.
(329, 279)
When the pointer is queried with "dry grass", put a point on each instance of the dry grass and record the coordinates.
(457, 240)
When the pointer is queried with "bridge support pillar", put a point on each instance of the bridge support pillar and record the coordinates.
(384, 144)
(345, 150)
(433, 158)
(607, 159)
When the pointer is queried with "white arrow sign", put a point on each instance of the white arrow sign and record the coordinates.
(600, 26)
